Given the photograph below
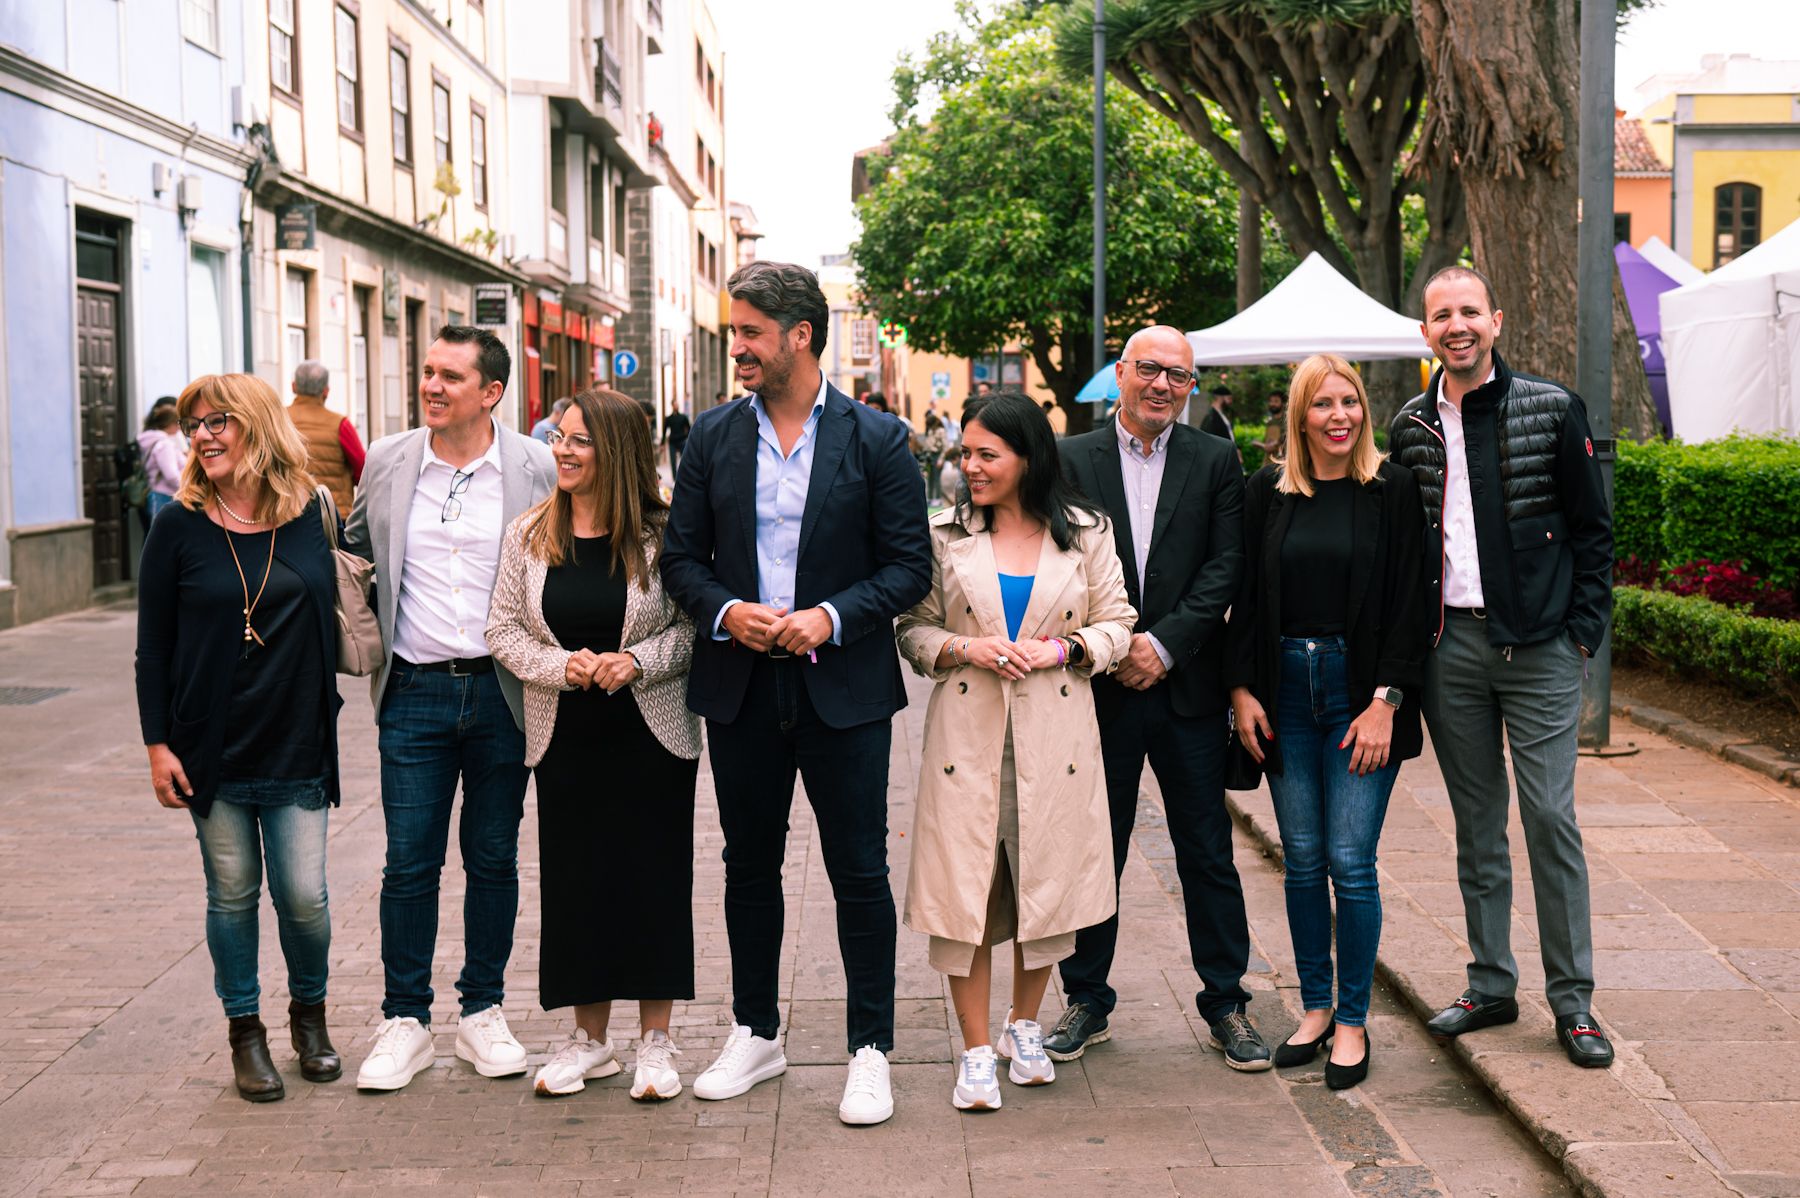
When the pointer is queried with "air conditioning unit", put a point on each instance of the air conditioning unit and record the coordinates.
(191, 194)
(245, 111)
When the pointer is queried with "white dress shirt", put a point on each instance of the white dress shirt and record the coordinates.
(1462, 565)
(447, 576)
(1143, 487)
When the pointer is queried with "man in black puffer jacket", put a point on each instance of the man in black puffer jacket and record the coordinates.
(1518, 546)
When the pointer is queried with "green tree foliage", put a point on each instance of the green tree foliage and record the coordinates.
(977, 227)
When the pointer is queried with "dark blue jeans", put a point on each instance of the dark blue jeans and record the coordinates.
(1330, 824)
(435, 729)
(754, 759)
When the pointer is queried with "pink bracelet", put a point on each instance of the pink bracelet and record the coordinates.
(1062, 650)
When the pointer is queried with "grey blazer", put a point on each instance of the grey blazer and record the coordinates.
(377, 526)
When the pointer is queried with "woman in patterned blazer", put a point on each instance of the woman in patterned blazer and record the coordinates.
(579, 615)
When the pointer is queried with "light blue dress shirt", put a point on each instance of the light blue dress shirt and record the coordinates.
(781, 486)
(1142, 471)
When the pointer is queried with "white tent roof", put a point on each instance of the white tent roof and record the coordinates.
(1669, 262)
(1733, 345)
(1314, 310)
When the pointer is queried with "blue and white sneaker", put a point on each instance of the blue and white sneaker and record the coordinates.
(977, 1087)
(1022, 1043)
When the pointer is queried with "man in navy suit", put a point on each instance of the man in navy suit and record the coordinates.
(797, 534)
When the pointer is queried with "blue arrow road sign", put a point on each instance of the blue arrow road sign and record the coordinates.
(625, 364)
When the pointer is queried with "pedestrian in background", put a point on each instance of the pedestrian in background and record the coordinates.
(1027, 603)
(580, 617)
(1275, 432)
(1327, 646)
(434, 504)
(238, 702)
(1518, 548)
(794, 665)
(334, 453)
(676, 427)
(932, 446)
(164, 451)
(548, 423)
(1176, 500)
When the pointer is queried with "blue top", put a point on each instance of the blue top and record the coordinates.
(1015, 594)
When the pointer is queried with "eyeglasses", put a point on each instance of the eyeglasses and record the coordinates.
(1148, 370)
(581, 440)
(459, 482)
(215, 423)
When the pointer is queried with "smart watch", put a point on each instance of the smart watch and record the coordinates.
(1389, 695)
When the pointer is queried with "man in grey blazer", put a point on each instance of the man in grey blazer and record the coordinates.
(430, 514)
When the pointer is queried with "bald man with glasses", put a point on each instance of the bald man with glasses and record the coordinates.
(1176, 498)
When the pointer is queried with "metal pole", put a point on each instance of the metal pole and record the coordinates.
(1594, 305)
(1099, 184)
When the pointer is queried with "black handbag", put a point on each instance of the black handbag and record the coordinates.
(1242, 771)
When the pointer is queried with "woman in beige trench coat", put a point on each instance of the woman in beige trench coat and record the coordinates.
(1011, 839)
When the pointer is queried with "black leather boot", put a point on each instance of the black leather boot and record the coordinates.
(312, 1043)
(254, 1072)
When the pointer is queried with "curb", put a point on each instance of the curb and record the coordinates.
(1597, 1168)
(1739, 750)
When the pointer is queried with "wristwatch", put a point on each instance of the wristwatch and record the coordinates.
(1389, 695)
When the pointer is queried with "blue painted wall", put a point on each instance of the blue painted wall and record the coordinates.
(40, 339)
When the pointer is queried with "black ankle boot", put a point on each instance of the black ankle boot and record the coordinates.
(312, 1043)
(251, 1067)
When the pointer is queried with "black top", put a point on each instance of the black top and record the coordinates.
(276, 729)
(676, 426)
(191, 637)
(1315, 560)
(584, 601)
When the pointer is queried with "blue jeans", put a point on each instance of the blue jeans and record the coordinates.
(435, 729)
(1330, 824)
(235, 842)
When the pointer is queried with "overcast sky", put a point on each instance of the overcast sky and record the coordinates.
(810, 84)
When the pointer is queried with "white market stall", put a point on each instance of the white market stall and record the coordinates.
(1732, 344)
(1314, 310)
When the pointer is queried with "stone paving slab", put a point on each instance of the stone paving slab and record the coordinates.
(114, 1077)
(1696, 923)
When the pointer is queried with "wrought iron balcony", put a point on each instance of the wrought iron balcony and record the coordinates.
(609, 81)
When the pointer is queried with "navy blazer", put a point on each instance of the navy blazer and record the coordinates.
(865, 548)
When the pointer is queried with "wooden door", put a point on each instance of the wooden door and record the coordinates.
(103, 426)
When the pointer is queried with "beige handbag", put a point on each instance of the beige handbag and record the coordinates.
(359, 649)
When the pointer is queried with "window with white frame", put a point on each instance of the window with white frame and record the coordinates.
(206, 312)
(296, 299)
(478, 179)
(440, 122)
(349, 89)
(862, 339)
(200, 23)
(284, 72)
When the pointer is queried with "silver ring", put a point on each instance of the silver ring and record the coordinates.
(1002, 660)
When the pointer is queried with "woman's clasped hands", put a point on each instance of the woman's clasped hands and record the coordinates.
(1009, 659)
(610, 671)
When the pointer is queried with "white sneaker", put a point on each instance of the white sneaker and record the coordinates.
(402, 1048)
(868, 1096)
(1022, 1043)
(484, 1040)
(579, 1061)
(745, 1060)
(656, 1078)
(977, 1089)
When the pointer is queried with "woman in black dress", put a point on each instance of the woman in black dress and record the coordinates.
(579, 615)
(237, 696)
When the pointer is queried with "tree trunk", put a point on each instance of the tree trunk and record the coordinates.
(1249, 251)
(1065, 372)
(1503, 85)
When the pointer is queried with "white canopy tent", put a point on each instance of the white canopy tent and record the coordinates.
(1732, 344)
(1314, 310)
(1665, 259)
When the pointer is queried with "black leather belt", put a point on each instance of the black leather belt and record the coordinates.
(456, 667)
(1480, 613)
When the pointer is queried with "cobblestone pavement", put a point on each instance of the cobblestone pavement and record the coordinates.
(114, 1074)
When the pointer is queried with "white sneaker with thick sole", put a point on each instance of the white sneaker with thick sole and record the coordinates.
(656, 1078)
(868, 1095)
(577, 1062)
(402, 1049)
(1022, 1043)
(745, 1061)
(484, 1041)
(977, 1086)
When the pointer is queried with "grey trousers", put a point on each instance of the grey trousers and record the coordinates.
(1473, 693)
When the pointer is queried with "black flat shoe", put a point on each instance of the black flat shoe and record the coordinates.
(1583, 1040)
(1473, 1011)
(1292, 1053)
(1342, 1077)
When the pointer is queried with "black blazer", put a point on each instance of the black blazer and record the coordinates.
(1196, 556)
(1386, 626)
(864, 548)
(190, 636)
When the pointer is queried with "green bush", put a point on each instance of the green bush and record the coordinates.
(1638, 502)
(1688, 632)
(1732, 500)
(1249, 443)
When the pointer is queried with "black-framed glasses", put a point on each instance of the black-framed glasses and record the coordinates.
(1179, 378)
(214, 422)
(580, 440)
(459, 482)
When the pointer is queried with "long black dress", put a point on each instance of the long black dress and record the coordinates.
(615, 819)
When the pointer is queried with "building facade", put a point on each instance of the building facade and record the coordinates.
(1641, 186)
(122, 163)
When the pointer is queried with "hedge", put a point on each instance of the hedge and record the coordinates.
(1732, 500)
(1692, 633)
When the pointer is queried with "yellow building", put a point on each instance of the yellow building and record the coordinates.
(1731, 134)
